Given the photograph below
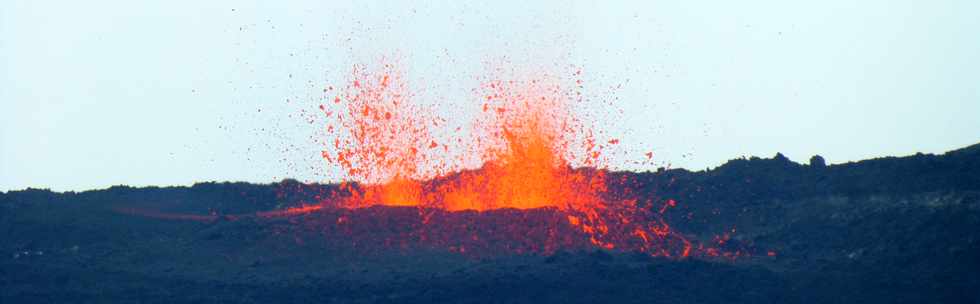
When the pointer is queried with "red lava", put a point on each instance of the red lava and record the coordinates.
(527, 138)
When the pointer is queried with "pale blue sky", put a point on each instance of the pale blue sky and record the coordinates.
(98, 93)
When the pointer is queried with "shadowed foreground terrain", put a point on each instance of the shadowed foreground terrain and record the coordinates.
(888, 230)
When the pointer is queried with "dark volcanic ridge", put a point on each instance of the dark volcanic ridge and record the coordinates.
(888, 230)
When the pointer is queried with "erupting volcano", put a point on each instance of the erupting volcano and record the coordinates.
(527, 150)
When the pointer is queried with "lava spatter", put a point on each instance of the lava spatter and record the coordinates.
(380, 138)
(528, 139)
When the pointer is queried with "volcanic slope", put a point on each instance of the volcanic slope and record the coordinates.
(888, 230)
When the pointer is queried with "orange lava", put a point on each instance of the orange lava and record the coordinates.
(527, 136)
(527, 139)
(528, 174)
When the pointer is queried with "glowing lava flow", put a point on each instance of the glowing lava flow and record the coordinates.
(527, 138)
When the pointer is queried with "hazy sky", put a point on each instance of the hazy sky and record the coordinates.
(98, 93)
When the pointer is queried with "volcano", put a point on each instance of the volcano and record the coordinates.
(888, 230)
(474, 233)
(542, 182)
(517, 204)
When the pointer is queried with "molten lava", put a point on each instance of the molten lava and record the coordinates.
(527, 138)
(526, 175)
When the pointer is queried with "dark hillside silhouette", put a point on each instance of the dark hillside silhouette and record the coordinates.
(885, 230)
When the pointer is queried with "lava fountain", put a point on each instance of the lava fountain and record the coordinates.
(528, 174)
(526, 140)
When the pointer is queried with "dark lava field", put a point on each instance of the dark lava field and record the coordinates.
(887, 230)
